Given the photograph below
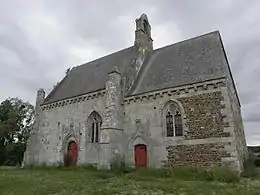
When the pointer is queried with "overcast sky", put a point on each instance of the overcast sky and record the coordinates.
(40, 39)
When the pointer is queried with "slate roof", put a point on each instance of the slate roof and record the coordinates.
(90, 77)
(193, 60)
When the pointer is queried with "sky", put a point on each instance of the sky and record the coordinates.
(40, 39)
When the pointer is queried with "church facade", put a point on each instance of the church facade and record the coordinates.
(175, 105)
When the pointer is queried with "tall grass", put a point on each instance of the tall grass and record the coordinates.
(250, 170)
(222, 174)
(186, 173)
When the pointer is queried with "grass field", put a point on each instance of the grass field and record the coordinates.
(63, 181)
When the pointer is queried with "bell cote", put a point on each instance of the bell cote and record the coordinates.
(143, 33)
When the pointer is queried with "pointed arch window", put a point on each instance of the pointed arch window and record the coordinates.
(178, 124)
(169, 125)
(95, 125)
(146, 30)
(174, 121)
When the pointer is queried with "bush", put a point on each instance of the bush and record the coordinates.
(157, 173)
(257, 162)
(177, 172)
(224, 174)
(249, 166)
(190, 173)
(118, 165)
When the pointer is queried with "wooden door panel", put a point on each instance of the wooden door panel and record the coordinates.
(73, 152)
(140, 156)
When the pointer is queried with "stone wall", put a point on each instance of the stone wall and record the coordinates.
(203, 113)
(33, 147)
(204, 120)
(236, 118)
(66, 120)
(207, 135)
(200, 155)
(206, 113)
(237, 123)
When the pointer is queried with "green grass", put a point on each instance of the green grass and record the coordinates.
(63, 181)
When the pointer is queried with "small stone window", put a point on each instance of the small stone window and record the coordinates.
(173, 120)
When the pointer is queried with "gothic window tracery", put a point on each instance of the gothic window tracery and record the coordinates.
(169, 125)
(95, 121)
(174, 121)
(178, 124)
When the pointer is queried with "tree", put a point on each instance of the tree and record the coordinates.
(16, 121)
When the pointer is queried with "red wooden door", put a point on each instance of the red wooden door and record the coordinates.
(73, 152)
(140, 155)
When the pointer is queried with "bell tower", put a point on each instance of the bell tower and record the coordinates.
(143, 33)
(143, 48)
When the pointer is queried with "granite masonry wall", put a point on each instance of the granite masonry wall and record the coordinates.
(204, 120)
(237, 123)
(203, 155)
(67, 120)
(204, 117)
(235, 118)
(208, 139)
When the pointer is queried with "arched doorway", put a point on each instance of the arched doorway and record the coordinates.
(73, 152)
(140, 155)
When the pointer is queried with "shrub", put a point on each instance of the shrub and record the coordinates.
(191, 173)
(157, 173)
(118, 165)
(257, 162)
(249, 166)
(177, 172)
(224, 174)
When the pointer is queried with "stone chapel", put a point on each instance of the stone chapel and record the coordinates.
(176, 105)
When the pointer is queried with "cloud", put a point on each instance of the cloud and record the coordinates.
(40, 39)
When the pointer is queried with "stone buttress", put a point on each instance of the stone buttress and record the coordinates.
(31, 155)
(111, 130)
